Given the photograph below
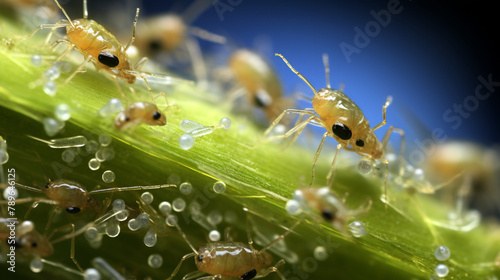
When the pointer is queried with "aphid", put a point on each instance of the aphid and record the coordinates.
(259, 81)
(138, 113)
(323, 202)
(466, 169)
(235, 259)
(74, 197)
(99, 46)
(342, 119)
(26, 240)
(165, 34)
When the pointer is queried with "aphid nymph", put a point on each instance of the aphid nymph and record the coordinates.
(342, 119)
(234, 259)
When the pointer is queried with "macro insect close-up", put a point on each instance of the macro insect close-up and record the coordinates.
(224, 145)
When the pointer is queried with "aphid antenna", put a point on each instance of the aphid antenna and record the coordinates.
(66, 14)
(133, 30)
(85, 10)
(29, 188)
(132, 188)
(297, 73)
(327, 69)
(183, 234)
(194, 10)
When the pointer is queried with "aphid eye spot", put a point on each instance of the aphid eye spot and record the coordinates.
(360, 143)
(47, 185)
(127, 119)
(34, 244)
(342, 131)
(108, 59)
(72, 210)
(156, 115)
(200, 258)
(155, 45)
(249, 275)
(327, 215)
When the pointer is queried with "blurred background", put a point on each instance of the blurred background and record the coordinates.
(428, 55)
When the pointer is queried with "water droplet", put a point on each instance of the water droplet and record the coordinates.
(219, 187)
(165, 208)
(52, 126)
(171, 220)
(62, 112)
(293, 207)
(143, 219)
(442, 270)
(147, 197)
(91, 146)
(133, 224)
(118, 205)
(105, 140)
(10, 192)
(186, 188)
(188, 125)
(320, 253)
(63, 66)
(52, 73)
(186, 142)
(214, 235)
(108, 176)
(91, 274)
(91, 233)
(179, 204)
(68, 155)
(113, 106)
(225, 122)
(155, 260)
(36, 60)
(230, 217)
(364, 166)
(357, 229)
(36, 265)
(94, 164)
(112, 228)
(214, 217)
(442, 253)
(150, 238)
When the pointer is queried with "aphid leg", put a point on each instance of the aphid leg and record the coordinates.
(196, 275)
(79, 69)
(72, 253)
(115, 80)
(70, 45)
(385, 140)
(316, 156)
(249, 235)
(384, 109)
(49, 222)
(281, 237)
(138, 66)
(180, 264)
(227, 234)
(207, 35)
(329, 177)
(35, 204)
(53, 26)
(66, 14)
(85, 10)
(273, 269)
(132, 39)
(199, 69)
(293, 129)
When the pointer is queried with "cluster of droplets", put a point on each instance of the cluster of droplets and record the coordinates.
(108, 224)
(194, 130)
(51, 74)
(357, 229)
(442, 253)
